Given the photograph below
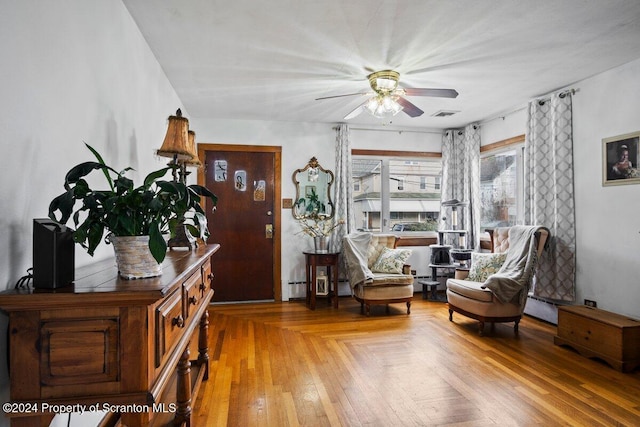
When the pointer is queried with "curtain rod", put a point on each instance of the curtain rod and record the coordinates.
(561, 94)
(502, 116)
(394, 130)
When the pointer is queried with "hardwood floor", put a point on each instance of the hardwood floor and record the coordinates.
(281, 364)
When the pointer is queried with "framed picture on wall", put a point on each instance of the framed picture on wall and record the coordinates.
(620, 155)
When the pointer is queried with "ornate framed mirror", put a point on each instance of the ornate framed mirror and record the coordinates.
(313, 192)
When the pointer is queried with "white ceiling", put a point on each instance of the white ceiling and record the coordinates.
(270, 59)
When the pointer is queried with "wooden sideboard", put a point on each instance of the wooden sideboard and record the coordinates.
(121, 346)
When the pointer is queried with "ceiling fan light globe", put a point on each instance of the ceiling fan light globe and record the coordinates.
(388, 102)
(372, 105)
(396, 108)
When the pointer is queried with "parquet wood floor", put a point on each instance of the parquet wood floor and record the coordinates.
(281, 364)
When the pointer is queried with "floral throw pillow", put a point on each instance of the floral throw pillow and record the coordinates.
(391, 261)
(484, 265)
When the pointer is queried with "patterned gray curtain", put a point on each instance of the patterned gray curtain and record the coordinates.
(549, 198)
(343, 187)
(461, 180)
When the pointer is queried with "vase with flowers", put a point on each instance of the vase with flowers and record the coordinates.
(320, 228)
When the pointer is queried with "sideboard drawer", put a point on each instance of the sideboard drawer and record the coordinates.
(169, 322)
(193, 295)
(207, 277)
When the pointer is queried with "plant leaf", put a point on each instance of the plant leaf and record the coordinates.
(64, 203)
(153, 176)
(157, 244)
(101, 161)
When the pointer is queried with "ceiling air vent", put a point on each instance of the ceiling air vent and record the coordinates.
(444, 113)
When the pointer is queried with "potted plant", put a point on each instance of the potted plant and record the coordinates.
(134, 217)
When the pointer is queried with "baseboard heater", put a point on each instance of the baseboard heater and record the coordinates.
(304, 282)
(542, 309)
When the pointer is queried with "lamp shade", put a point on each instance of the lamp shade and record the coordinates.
(194, 160)
(176, 141)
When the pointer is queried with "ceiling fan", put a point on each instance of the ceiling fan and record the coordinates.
(387, 98)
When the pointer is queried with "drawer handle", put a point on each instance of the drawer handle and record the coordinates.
(203, 287)
(193, 300)
(178, 321)
(210, 276)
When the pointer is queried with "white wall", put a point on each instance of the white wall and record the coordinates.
(72, 71)
(607, 219)
(505, 127)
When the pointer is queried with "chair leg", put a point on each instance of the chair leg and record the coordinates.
(493, 327)
(515, 327)
(408, 307)
(481, 328)
(387, 309)
(367, 309)
(450, 315)
(361, 308)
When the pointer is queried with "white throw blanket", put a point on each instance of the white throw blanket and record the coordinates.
(511, 282)
(356, 246)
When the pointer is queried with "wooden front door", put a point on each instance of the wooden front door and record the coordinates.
(246, 222)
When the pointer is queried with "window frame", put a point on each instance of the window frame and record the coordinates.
(385, 156)
(515, 143)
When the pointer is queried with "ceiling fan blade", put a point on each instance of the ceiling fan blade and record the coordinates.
(359, 109)
(409, 108)
(441, 93)
(340, 96)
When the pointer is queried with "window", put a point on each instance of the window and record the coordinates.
(501, 186)
(397, 193)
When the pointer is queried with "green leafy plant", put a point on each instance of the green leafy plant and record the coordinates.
(153, 208)
(312, 204)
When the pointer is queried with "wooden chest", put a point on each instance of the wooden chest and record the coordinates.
(600, 334)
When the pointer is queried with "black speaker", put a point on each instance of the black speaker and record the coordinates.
(53, 254)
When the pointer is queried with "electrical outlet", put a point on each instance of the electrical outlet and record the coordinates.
(590, 303)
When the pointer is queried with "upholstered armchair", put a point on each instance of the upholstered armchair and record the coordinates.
(497, 284)
(377, 271)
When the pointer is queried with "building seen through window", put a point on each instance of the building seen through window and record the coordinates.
(501, 188)
(396, 194)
